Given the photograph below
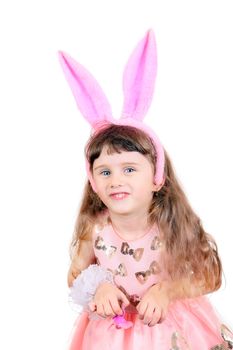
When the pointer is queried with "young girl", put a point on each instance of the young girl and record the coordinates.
(137, 224)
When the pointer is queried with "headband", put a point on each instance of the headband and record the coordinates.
(138, 86)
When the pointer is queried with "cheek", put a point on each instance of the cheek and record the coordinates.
(96, 180)
(100, 186)
(146, 190)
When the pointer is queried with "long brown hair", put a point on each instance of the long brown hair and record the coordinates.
(189, 251)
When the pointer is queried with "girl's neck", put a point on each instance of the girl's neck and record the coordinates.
(130, 227)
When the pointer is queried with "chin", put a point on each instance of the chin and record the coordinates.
(123, 212)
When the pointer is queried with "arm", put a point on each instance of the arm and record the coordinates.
(153, 307)
(82, 258)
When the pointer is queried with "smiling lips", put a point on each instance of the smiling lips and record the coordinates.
(119, 195)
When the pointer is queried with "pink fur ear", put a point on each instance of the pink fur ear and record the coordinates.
(139, 78)
(89, 96)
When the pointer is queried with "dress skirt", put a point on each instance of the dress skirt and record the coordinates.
(190, 324)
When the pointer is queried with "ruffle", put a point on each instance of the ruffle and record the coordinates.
(190, 324)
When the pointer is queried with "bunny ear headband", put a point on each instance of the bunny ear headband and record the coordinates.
(138, 86)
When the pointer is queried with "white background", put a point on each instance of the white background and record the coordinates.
(42, 136)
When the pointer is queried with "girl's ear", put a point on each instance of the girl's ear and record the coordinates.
(139, 78)
(89, 96)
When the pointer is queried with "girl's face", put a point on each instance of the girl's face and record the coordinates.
(124, 181)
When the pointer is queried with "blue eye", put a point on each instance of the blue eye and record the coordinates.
(129, 170)
(105, 172)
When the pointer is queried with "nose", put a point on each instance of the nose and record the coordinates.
(116, 181)
(115, 185)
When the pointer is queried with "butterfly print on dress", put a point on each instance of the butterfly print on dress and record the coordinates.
(135, 253)
(142, 276)
(109, 250)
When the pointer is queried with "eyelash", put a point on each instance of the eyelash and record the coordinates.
(130, 169)
(104, 171)
(108, 171)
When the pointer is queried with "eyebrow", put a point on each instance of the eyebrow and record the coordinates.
(106, 166)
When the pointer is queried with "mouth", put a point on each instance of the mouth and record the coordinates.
(119, 195)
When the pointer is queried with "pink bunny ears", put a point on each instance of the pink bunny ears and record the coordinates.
(138, 86)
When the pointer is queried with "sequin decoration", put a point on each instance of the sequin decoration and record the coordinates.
(121, 271)
(101, 245)
(227, 336)
(135, 253)
(178, 342)
(156, 243)
(142, 276)
(220, 347)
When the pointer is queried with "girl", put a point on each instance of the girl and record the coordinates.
(136, 222)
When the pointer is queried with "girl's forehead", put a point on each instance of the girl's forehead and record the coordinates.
(117, 158)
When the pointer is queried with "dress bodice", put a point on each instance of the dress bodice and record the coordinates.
(134, 263)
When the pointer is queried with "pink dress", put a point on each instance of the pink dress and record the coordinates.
(190, 324)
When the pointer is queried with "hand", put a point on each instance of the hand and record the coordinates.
(108, 300)
(153, 307)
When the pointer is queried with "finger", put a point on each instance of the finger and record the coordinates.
(100, 310)
(116, 307)
(156, 318)
(162, 317)
(152, 323)
(123, 298)
(142, 306)
(92, 306)
(149, 314)
(108, 310)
